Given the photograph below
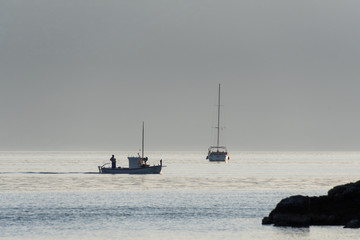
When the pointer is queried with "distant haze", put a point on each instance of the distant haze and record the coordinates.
(83, 75)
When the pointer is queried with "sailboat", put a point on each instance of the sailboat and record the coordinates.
(137, 165)
(218, 153)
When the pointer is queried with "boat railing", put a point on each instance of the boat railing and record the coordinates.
(105, 165)
(215, 147)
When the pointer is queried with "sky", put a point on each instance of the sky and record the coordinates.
(84, 74)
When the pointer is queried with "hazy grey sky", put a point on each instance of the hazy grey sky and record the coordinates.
(84, 74)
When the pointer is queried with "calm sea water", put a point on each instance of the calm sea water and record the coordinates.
(60, 195)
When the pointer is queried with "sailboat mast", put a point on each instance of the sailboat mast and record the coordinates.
(142, 145)
(218, 126)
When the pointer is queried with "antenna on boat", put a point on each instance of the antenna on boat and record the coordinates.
(218, 126)
(142, 145)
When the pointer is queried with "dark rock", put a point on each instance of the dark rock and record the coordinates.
(291, 211)
(266, 220)
(341, 206)
(346, 191)
(294, 204)
(355, 223)
(293, 220)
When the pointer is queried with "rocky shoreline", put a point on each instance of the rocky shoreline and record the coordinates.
(341, 206)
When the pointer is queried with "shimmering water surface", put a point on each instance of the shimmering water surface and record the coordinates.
(60, 195)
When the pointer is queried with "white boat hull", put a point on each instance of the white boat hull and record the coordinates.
(142, 170)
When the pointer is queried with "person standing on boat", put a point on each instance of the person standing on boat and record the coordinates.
(113, 161)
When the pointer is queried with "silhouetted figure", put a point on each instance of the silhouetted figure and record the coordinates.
(113, 162)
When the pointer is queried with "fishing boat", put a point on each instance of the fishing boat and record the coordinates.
(218, 153)
(137, 165)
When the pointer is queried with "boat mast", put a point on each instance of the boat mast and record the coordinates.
(218, 126)
(142, 145)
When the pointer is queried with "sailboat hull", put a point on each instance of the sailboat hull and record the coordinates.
(216, 157)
